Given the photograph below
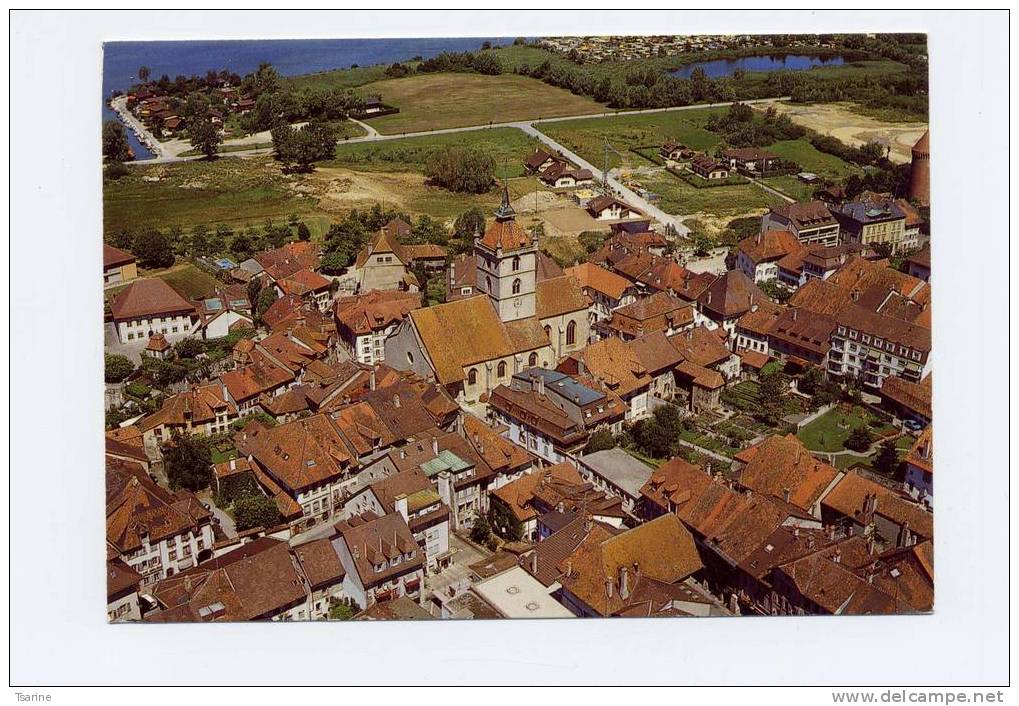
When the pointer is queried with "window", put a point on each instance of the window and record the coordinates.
(516, 263)
(571, 333)
(472, 377)
(501, 370)
(548, 332)
(532, 360)
(410, 357)
(488, 283)
(516, 286)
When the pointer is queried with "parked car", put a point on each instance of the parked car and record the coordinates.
(912, 425)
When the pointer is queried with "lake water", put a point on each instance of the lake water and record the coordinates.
(725, 67)
(291, 57)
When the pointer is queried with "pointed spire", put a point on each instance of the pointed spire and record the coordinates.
(505, 212)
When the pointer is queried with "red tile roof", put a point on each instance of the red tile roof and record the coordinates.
(145, 298)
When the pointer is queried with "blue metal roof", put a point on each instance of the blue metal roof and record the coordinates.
(563, 384)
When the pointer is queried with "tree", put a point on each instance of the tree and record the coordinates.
(887, 461)
(118, 368)
(255, 510)
(481, 530)
(302, 231)
(341, 611)
(152, 249)
(591, 240)
(189, 348)
(188, 462)
(265, 299)
(504, 523)
(771, 394)
(204, 136)
(601, 440)
(298, 148)
(143, 74)
(115, 146)
(462, 170)
(859, 439)
(465, 226)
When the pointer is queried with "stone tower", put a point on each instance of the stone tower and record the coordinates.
(920, 171)
(507, 261)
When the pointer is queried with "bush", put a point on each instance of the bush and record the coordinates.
(860, 439)
(118, 368)
(188, 462)
(255, 510)
(601, 440)
(137, 389)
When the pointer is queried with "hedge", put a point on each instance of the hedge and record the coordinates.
(700, 182)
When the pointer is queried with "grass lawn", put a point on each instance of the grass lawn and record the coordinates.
(191, 281)
(507, 146)
(587, 136)
(829, 432)
(219, 456)
(236, 192)
(436, 101)
(680, 198)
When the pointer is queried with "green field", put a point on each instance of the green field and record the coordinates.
(587, 136)
(237, 192)
(507, 146)
(190, 281)
(680, 198)
(438, 101)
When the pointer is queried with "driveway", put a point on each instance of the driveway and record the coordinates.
(113, 346)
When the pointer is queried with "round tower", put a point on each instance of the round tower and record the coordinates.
(920, 171)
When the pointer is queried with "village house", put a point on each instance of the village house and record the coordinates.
(751, 160)
(781, 468)
(802, 337)
(122, 588)
(636, 572)
(520, 497)
(514, 593)
(380, 557)
(148, 306)
(708, 168)
(607, 290)
(562, 176)
(919, 264)
(119, 266)
(919, 463)
(202, 410)
(872, 221)
(727, 299)
(156, 533)
(866, 508)
(540, 161)
(224, 311)
(323, 575)
(758, 256)
(411, 494)
(307, 284)
(365, 321)
(273, 265)
(661, 311)
(609, 208)
(907, 399)
(675, 152)
(616, 366)
(617, 473)
(810, 221)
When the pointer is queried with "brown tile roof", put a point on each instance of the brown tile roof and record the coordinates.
(403, 483)
(601, 280)
(656, 353)
(301, 454)
(921, 453)
(661, 549)
(198, 404)
(374, 311)
(804, 328)
(303, 282)
(834, 588)
(848, 498)
(373, 541)
(320, 563)
(908, 575)
(782, 464)
(465, 332)
(120, 578)
(754, 359)
(614, 363)
(806, 214)
(700, 346)
(659, 312)
(911, 395)
(505, 235)
(771, 245)
(551, 553)
(749, 153)
(518, 495)
(539, 412)
(288, 259)
(256, 581)
(499, 454)
(115, 257)
(145, 298)
(731, 295)
(260, 376)
(136, 506)
(759, 319)
(559, 295)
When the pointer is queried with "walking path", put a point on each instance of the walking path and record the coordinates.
(119, 105)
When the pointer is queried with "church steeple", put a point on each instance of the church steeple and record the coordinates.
(505, 211)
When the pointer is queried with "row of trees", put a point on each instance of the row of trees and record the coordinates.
(462, 170)
(299, 148)
(742, 126)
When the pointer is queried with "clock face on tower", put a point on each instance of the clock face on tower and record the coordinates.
(516, 302)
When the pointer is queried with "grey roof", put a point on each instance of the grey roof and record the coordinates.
(619, 468)
(562, 384)
(867, 211)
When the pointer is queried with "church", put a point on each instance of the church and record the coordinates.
(514, 322)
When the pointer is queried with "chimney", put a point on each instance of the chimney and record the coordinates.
(396, 401)
(624, 582)
(709, 298)
(581, 368)
(541, 385)
(786, 494)
(794, 314)
(372, 378)
(831, 531)
(871, 544)
(608, 586)
(837, 555)
(187, 584)
(534, 563)
(401, 506)
(588, 523)
(796, 531)
(435, 446)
